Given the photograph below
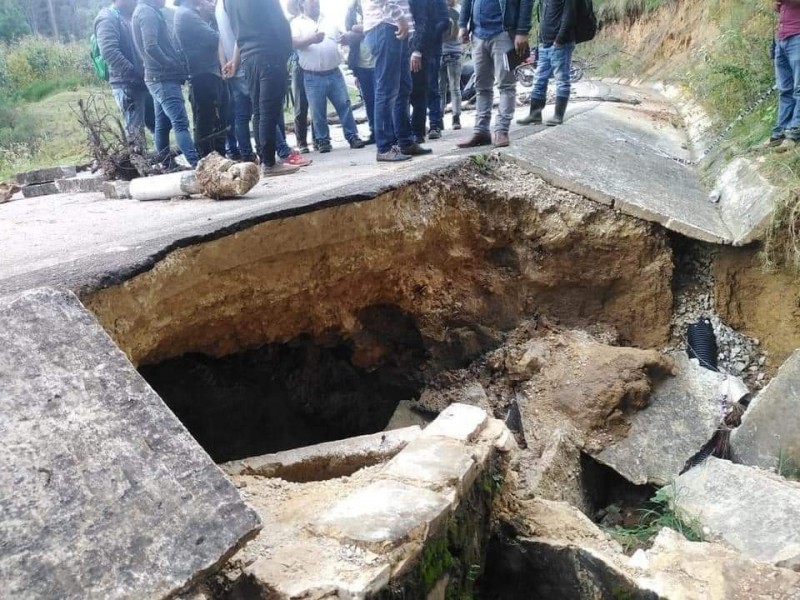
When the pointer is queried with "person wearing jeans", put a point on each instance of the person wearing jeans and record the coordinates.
(786, 132)
(198, 39)
(556, 44)
(361, 62)
(263, 45)
(499, 28)
(318, 55)
(450, 68)
(164, 75)
(430, 23)
(240, 111)
(112, 26)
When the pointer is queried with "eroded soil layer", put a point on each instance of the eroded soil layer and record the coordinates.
(464, 253)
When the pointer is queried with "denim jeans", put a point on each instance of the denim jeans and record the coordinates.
(392, 87)
(787, 75)
(435, 113)
(170, 110)
(266, 78)
(324, 86)
(490, 69)
(450, 78)
(553, 62)
(132, 102)
(209, 98)
(240, 112)
(366, 83)
(300, 105)
(282, 149)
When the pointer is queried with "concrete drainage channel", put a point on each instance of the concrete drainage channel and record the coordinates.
(444, 392)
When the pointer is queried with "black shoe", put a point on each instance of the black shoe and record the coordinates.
(415, 150)
(558, 115)
(392, 155)
(369, 141)
(356, 143)
(535, 116)
(419, 139)
(324, 148)
(479, 138)
(303, 149)
(456, 123)
(434, 133)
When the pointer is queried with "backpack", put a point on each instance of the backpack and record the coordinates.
(98, 62)
(585, 22)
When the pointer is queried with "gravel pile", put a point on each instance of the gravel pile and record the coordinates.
(694, 300)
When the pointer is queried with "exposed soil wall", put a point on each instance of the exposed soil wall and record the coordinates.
(464, 253)
(763, 305)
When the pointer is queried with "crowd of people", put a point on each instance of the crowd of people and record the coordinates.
(243, 58)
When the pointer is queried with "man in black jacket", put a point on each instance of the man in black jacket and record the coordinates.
(263, 44)
(198, 38)
(556, 44)
(164, 74)
(430, 21)
(112, 26)
(499, 29)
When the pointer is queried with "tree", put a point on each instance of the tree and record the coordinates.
(12, 20)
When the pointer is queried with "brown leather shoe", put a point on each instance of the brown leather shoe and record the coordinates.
(500, 140)
(477, 139)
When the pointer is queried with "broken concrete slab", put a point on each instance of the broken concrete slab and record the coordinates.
(405, 416)
(45, 175)
(103, 493)
(79, 185)
(677, 568)
(40, 189)
(434, 462)
(460, 422)
(747, 200)
(769, 436)
(681, 417)
(327, 460)
(383, 514)
(751, 510)
(117, 190)
(603, 158)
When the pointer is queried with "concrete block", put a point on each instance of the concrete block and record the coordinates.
(383, 514)
(328, 460)
(770, 429)
(435, 463)
(39, 189)
(117, 190)
(103, 492)
(45, 175)
(459, 422)
(79, 185)
(746, 200)
(682, 416)
(752, 510)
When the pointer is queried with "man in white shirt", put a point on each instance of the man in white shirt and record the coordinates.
(317, 48)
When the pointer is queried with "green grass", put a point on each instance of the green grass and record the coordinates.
(661, 513)
(787, 466)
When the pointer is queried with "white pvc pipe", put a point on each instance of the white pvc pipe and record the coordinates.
(164, 187)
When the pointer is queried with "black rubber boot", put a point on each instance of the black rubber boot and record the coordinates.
(558, 116)
(535, 116)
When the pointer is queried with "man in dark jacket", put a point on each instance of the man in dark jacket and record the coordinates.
(556, 44)
(263, 44)
(361, 61)
(112, 26)
(499, 29)
(198, 38)
(430, 21)
(164, 74)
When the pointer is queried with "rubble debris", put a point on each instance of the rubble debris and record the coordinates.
(79, 185)
(104, 492)
(40, 189)
(769, 436)
(749, 509)
(681, 417)
(45, 175)
(220, 178)
(7, 191)
(117, 190)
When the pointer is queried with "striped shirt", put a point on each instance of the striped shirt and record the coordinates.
(386, 11)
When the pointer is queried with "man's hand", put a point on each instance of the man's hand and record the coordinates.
(229, 70)
(316, 38)
(402, 29)
(416, 63)
(521, 44)
(463, 35)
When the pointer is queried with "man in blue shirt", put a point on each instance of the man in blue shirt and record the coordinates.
(499, 28)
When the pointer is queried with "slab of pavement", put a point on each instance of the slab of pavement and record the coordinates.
(618, 147)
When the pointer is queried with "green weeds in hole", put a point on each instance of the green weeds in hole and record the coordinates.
(787, 466)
